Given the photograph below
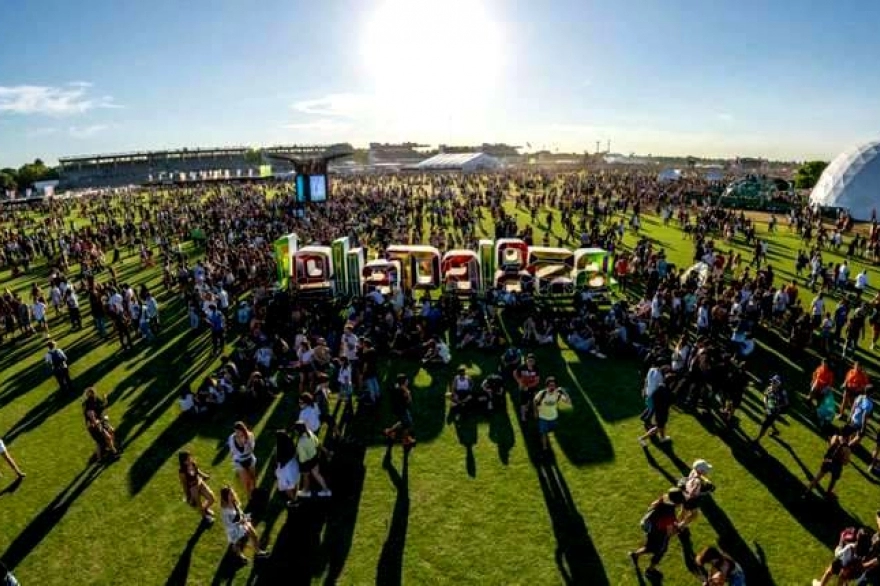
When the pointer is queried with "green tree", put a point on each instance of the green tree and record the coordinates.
(7, 181)
(808, 174)
(29, 173)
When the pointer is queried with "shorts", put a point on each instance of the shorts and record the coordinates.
(545, 426)
(691, 504)
(246, 464)
(835, 469)
(526, 397)
(2, 448)
(308, 465)
(404, 416)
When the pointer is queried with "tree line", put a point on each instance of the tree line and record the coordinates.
(25, 176)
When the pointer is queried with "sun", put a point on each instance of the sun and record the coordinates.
(432, 58)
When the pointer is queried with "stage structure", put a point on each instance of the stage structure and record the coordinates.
(312, 181)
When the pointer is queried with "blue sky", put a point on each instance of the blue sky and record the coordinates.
(789, 79)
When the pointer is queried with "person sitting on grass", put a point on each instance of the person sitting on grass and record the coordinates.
(196, 492)
(307, 453)
(723, 570)
(239, 529)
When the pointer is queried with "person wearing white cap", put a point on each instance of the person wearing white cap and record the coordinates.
(775, 402)
(694, 485)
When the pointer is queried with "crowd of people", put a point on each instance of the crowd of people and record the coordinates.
(693, 327)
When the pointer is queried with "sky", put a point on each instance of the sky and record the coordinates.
(785, 80)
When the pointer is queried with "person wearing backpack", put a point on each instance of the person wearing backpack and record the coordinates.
(775, 403)
(57, 362)
(836, 457)
(658, 524)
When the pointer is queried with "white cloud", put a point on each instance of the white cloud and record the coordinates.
(320, 125)
(72, 98)
(86, 131)
(37, 132)
(345, 105)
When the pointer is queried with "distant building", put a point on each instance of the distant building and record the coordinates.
(384, 154)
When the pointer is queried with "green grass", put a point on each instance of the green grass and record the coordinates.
(472, 505)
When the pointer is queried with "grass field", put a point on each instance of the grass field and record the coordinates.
(471, 505)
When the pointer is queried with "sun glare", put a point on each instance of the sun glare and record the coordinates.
(432, 60)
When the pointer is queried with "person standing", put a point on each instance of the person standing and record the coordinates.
(775, 402)
(241, 446)
(57, 361)
(286, 466)
(98, 424)
(238, 526)
(658, 401)
(196, 492)
(40, 311)
(547, 401)
(527, 378)
(73, 308)
(369, 362)
(854, 384)
(99, 313)
(307, 455)
(218, 329)
(4, 451)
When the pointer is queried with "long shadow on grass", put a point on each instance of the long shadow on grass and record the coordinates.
(43, 523)
(390, 569)
(752, 561)
(576, 555)
(180, 572)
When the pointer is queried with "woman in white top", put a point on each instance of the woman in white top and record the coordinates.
(287, 466)
(309, 413)
(239, 529)
(241, 446)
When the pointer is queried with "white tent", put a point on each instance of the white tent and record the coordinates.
(851, 181)
(669, 175)
(458, 162)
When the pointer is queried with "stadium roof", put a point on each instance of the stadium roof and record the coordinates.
(458, 161)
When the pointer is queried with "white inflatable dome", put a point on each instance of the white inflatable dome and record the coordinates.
(851, 181)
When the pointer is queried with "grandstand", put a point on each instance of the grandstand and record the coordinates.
(138, 168)
(395, 155)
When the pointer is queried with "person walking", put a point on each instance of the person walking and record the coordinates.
(4, 451)
(854, 384)
(659, 524)
(401, 405)
(73, 310)
(56, 359)
(307, 449)
(775, 403)
(286, 466)
(837, 455)
(239, 528)
(196, 492)
(547, 403)
(241, 446)
(658, 402)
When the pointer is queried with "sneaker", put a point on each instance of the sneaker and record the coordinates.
(305, 494)
(817, 582)
(643, 443)
(325, 493)
(262, 553)
(665, 439)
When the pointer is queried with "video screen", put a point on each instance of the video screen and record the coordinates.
(318, 185)
(300, 189)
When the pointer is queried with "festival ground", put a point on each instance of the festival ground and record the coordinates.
(474, 503)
